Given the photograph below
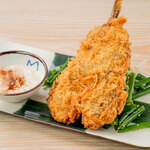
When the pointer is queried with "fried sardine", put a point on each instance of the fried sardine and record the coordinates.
(93, 84)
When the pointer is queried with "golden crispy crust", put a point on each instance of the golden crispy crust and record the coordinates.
(62, 99)
(93, 83)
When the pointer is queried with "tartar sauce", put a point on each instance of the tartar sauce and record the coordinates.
(18, 78)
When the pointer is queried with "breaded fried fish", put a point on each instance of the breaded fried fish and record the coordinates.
(93, 83)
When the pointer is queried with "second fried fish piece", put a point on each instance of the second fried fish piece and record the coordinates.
(93, 83)
(102, 63)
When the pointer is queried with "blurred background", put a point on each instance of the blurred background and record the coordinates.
(60, 25)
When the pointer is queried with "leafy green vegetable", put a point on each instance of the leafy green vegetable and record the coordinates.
(145, 117)
(55, 73)
(129, 110)
(131, 117)
(60, 59)
(39, 111)
(131, 81)
(135, 127)
(141, 77)
(141, 93)
(143, 81)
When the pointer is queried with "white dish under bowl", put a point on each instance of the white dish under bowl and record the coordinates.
(8, 58)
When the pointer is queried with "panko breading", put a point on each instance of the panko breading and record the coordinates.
(93, 83)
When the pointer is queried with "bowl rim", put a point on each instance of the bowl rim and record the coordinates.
(32, 55)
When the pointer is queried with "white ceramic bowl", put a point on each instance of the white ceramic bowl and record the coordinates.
(8, 58)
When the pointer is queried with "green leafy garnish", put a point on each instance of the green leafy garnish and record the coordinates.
(141, 93)
(131, 117)
(55, 73)
(134, 110)
(135, 127)
(130, 82)
(145, 117)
